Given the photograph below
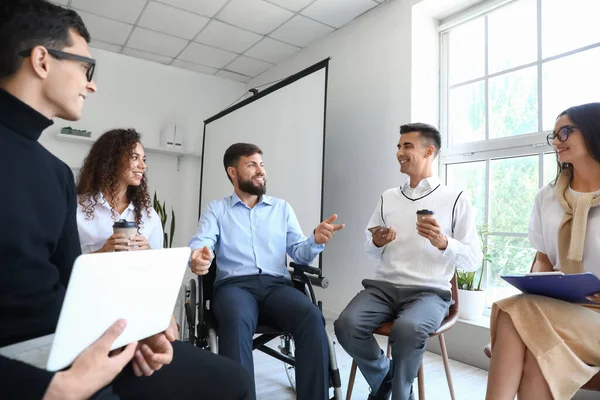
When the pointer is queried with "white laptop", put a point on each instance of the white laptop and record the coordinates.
(138, 286)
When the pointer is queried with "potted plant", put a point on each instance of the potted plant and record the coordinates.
(470, 295)
(161, 210)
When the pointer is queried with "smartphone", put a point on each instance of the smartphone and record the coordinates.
(375, 228)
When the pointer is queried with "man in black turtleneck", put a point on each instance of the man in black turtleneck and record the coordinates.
(46, 72)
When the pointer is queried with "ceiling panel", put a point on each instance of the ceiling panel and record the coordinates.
(301, 31)
(125, 11)
(115, 48)
(292, 5)
(208, 8)
(206, 55)
(272, 50)
(172, 21)
(248, 66)
(147, 56)
(224, 36)
(106, 30)
(337, 13)
(194, 67)
(156, 43)
(232, 75)
(254, 15)
(234, 39)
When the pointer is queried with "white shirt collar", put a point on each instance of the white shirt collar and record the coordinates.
(107, 205)
(425, 186)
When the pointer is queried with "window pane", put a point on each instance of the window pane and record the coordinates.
(569, 81)
(568, 25)
(510, 255)
(514, 183)
(467, 113)
(514, 23)
(466, 51)
(470, 177)
(513, 103)
(550, 168)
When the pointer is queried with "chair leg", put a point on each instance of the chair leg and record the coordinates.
(446, 366)
(351, 379)
(421, 382)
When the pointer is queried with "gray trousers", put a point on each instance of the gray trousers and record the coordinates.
(416, 312)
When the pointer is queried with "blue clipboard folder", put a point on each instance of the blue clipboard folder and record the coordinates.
(568, 287)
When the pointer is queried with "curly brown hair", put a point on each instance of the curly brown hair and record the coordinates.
(102, 169)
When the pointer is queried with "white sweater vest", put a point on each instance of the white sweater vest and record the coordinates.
(411, 259)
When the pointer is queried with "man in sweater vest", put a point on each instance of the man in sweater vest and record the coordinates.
(416, 263)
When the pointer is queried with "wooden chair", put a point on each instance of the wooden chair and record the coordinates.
(593, 384)
(447, 323)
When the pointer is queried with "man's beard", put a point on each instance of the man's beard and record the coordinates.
(249, 187)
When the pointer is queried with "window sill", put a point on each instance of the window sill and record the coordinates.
(483, 321)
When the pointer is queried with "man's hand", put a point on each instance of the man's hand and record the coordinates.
(139, 243)
(324, 231)
(152, 353)
(383, 235)
(117, 241)
(429, 228)
(93, 369)
(200, 260)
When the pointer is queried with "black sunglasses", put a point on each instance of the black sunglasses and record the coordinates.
(61, 55)
(562, 134)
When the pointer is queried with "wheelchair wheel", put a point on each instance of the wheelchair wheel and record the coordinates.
(288, 348)
(190, 311)
(183, 328)
(213, 343)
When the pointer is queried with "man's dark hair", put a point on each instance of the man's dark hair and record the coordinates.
(236, 151)
(427, 132)
(25, 24)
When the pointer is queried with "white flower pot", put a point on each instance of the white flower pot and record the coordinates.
(471, 304)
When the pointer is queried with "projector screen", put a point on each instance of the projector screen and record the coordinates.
(287, 121)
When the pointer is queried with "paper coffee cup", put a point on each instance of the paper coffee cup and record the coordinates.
(127, 228)
(423, 213)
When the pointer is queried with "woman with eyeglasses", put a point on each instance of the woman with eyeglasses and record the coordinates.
(543, 348)
(111, 186)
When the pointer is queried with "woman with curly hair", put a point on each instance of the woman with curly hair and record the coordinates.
(112, 185)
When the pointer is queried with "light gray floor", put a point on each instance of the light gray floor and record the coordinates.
(469, 382)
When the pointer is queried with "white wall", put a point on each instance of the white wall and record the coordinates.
(368, 99)
(145, 95)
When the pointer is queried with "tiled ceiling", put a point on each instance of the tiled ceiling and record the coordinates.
(233, 39)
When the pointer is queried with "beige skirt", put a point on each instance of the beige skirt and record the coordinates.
(563, 337)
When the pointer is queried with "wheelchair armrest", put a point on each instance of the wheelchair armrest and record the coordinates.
(313, 274)
(305, 268)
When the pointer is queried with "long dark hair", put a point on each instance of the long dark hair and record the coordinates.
(102, 169)
(587, 118)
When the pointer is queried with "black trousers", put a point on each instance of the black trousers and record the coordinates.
(238, 302)
(193, 374)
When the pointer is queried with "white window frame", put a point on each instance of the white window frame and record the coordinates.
(491, 149)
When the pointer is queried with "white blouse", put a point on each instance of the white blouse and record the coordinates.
(94, 232)
(543, 230)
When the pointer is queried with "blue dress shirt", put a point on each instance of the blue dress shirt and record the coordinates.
(250, 241)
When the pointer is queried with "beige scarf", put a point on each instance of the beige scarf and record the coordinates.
(571, 231)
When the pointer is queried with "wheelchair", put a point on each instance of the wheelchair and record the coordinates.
(200, 325)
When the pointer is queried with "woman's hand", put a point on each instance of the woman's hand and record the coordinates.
(117, 242)
(595, 298)
(139, 243)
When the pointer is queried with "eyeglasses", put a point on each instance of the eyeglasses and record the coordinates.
(61, 55)
(562, 134)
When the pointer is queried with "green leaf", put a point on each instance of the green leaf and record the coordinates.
(172, 227)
